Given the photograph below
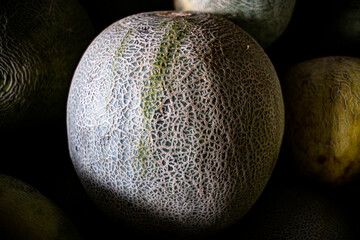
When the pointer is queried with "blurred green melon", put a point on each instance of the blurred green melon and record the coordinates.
(41, 42)
(26, 214)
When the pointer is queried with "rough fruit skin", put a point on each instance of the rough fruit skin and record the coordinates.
(26, 214)
(292, 211)
(322, 115)
(262, 19)
(41, 42)
(175, 121)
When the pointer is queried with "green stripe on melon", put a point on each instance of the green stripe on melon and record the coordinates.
(179, 130)
(155, 87)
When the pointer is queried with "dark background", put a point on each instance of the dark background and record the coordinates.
(38, 154)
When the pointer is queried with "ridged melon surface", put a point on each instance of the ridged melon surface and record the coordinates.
(41, 42)
(175, 121)
(264, 20)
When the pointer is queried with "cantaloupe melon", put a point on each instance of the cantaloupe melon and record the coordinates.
(41, 42)
(323, 113)
(26, 214)
(175, 121)
(264, 20)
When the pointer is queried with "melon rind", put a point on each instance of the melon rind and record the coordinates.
(294, 210)
(41, 43)
(322, 116)
(175, 121)
(264, 20)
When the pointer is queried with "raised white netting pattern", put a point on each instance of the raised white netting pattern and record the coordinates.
(175, 121)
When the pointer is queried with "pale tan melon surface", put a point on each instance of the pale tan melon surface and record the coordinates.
(175, 121)
(323, 113)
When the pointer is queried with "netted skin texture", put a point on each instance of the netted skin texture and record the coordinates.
(264, 20)
(291, 211)
(322, 112)
(41, 43)
(175, 121)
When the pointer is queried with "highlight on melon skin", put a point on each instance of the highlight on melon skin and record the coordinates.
(262, 19)
(41, 42)
(175, 122)
(322, 98)
(26, 214)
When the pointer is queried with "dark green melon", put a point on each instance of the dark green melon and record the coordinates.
(26, 214)
(41, 43)
(175, 121)
(264, 20)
